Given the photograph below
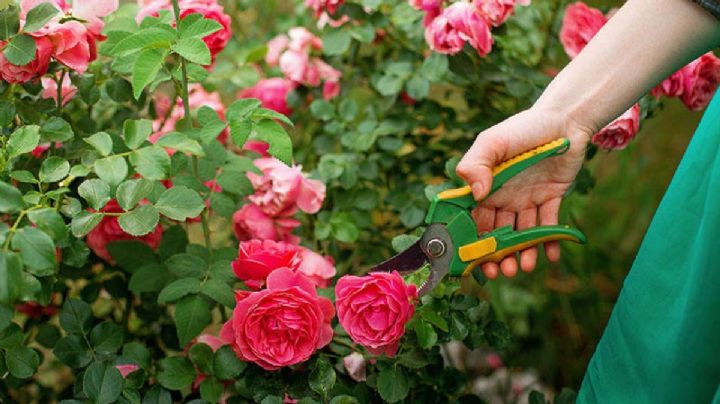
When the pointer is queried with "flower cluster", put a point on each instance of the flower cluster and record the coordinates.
(447, 30)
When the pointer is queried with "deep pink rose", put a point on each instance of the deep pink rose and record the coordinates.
(272, 93)
(432, 9)
(74, 45)
(496, 12)
(331, 89)
(700, 80)
(258, 147)
(36, 310)
(36, 68)
(579, 26)
(125, 370)
(619, 132)
(40, 149)
(282, 189)
(282, 325)
(374, 309)
(355, 366)
(671, 86)
(320, 6)
(49, 86)
(250, 222)
(258, 258)
(316, 267)
(109, 230)
(459, 23)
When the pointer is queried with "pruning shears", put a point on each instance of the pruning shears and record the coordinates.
(450, 243)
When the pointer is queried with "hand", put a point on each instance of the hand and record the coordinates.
(532, 197)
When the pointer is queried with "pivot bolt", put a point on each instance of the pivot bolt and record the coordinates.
(436, 247)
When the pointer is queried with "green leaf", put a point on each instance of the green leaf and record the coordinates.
(226, 364)
(37, 250)
(11, 200)
(96, 192)
(157, 395)
(176, 373)
(20, 50)
(72, 351)
(138, 353)
(392, 384)
(22, 362)
(426, 335)
(235, 182)
(149, 278)
(84, 222)
(9, 22)
(112, 170)
(435, 67)
(154, 38)
(7, 109)
(136, 132)
(130, 192)
(417, 87)
(131, 254)
(179, 289)
(434, 319)
(240, 129)
(186, 265)
(180, 203)
(199, 28)
(39, 15)
(202, 356)
(264, 113)
(101, 141)
(322, 377)
(193, 49)
(336, 42)
(243, 108)
(211, 389)
(139, 221)
(274, 134)
(49, 221)
(23, 176)
(146, 67)
(56, 129)
(536, 397)
(75, 316)
(211, 124)
(192, 315)
(102, 383)
(10, 277)
(11, 337)
(23, 140)
(180, 141)
(54, 169)
(219, 291)
(6, 316)
(106, 337)
(322, 109)
(152, 162)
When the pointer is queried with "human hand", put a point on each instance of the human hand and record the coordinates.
(532, 197)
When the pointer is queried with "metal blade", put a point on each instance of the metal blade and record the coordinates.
(409, 259)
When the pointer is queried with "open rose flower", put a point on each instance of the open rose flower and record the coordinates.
(282, 189)
(282, 325)
(432, 9)
(700, 80)
(67, 91)
(36, 68)
(251, 222)
(459, 23)
(496, 12)
(320, 6)
(374, 309)
(355, 366)
(125, 370)
(319, 269)
(109, 230)
(671, 86)
(259, 258)
(272, 93)
(619, 132)
(579, 26)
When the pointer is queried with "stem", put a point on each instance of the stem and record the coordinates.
(59, 97)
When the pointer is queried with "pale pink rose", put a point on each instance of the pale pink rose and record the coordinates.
(325, 19)
(303, 40)
(50, 89)
(250, 222)
(496, 12)
(318, 268)
(36, 68)
(579, 26)
(282, 325)
(259, 258)
(459, 23)
(294, 65)
(671, 86)
(89, 12)
(618, 133)
(326, 72)
(125, 370)
(282, 189)
(355, 366)
(374, 309)
(276, 46)
(700, 80)
(258, 147)
(272, 93)
(320, 6)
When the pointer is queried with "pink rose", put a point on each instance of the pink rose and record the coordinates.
(700, 80)
(282, 189)
(671, 86)
(109, 230)
(432, 9)
(276, 46)
(320, 6)
(374, 309)
(49, 85)
(294, 65)
(74, 45)
(303, 40)
(36, 68)
(618, 133)
(272, 93)
(282, 325)
(90, 12)
(580, 24)
(125, 370)
(355, 366)
(258, 147)
(325, 19)
(250, 222)
(496, 12)
(459, 23)
(331, 89)
(40, 149)
(259, 258)
(316, 267)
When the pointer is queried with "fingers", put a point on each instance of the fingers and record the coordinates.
(526, 219)
(490, 269)
(508, 266)
(476, 166)
(549, 216)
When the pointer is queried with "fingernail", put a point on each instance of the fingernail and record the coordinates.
(477, 190)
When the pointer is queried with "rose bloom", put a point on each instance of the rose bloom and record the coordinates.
(250, 222)
(432, 9)
(700, 80)
(257, 146)
(276, 46)
(259, 258)
(355, 366)
(619, 132)
(320, 6)
(109, 230)
(49, 86)
(319, 269)
(272, 93)
(459, 23)
(125, 370)
(282, 189)
(496, 12)
(40, 149)
(671, 86)
(282, 325)
(36, 68)
(374, 309)
(580, 24)
(74, 45)
(90, 12)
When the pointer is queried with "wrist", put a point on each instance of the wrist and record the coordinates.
(569, 121)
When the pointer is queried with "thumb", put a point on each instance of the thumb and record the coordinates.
(477, 164)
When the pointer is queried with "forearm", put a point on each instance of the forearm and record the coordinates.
(644, 42)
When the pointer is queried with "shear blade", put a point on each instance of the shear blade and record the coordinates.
(408, 260)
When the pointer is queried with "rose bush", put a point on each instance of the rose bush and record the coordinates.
(191, 198)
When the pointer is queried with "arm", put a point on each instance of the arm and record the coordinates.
(644, 42)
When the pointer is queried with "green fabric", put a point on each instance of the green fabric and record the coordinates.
(662, 342)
